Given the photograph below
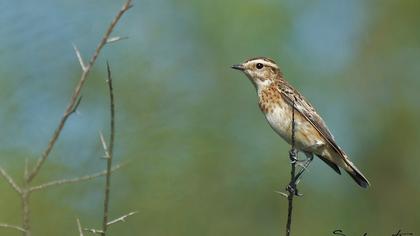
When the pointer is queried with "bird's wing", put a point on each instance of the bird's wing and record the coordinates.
(291, 96)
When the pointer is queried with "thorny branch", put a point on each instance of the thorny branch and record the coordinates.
(76, 94)
(25, 192)
(26, 189)
(108, 151)
(72, 180)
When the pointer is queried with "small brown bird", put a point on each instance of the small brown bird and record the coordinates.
(276, 99)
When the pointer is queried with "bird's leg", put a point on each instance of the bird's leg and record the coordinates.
(309, 157)
(294, 158)
(303, 163)
(304, 166)
(291, 187)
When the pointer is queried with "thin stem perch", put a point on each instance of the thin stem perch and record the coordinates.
(291, 188)
(109, 152)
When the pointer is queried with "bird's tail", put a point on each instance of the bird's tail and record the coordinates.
(352, 170)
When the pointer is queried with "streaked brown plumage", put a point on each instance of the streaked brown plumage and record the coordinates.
(276, 98)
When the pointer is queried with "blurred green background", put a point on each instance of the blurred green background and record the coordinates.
(203, 160)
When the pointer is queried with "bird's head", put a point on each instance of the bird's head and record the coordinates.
(261, 71)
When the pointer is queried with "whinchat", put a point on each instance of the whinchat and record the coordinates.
(276, 98)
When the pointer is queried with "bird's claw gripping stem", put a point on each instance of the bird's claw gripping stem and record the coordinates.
(293, 156)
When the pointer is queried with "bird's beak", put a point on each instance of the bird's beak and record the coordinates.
(238, 67)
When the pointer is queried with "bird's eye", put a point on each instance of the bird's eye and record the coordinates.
(259, 66)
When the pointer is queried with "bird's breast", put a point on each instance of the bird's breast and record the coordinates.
(279, 115)
(277, 112)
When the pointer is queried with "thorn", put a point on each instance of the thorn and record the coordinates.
(94, 231)
(116, 39)
(282, 194)
(122, 218)
(79, 227)
(79, 57)
(105, 147)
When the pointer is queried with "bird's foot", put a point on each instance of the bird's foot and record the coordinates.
(293, 155)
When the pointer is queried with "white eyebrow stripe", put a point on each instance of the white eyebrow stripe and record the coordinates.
(264, 62)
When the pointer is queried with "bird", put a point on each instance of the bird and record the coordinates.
(277, 98)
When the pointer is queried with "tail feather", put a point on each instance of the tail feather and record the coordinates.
(331, 164)
(356, 174)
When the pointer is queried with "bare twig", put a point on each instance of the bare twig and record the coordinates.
(122, 218)
(76, 93)
(291, 188)
(79, 100)
(12, 227)
(24, 196)
(10, 180)
(109, 151)
(73, 180)
(26, 220)
(26, 169)
(79, 227)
